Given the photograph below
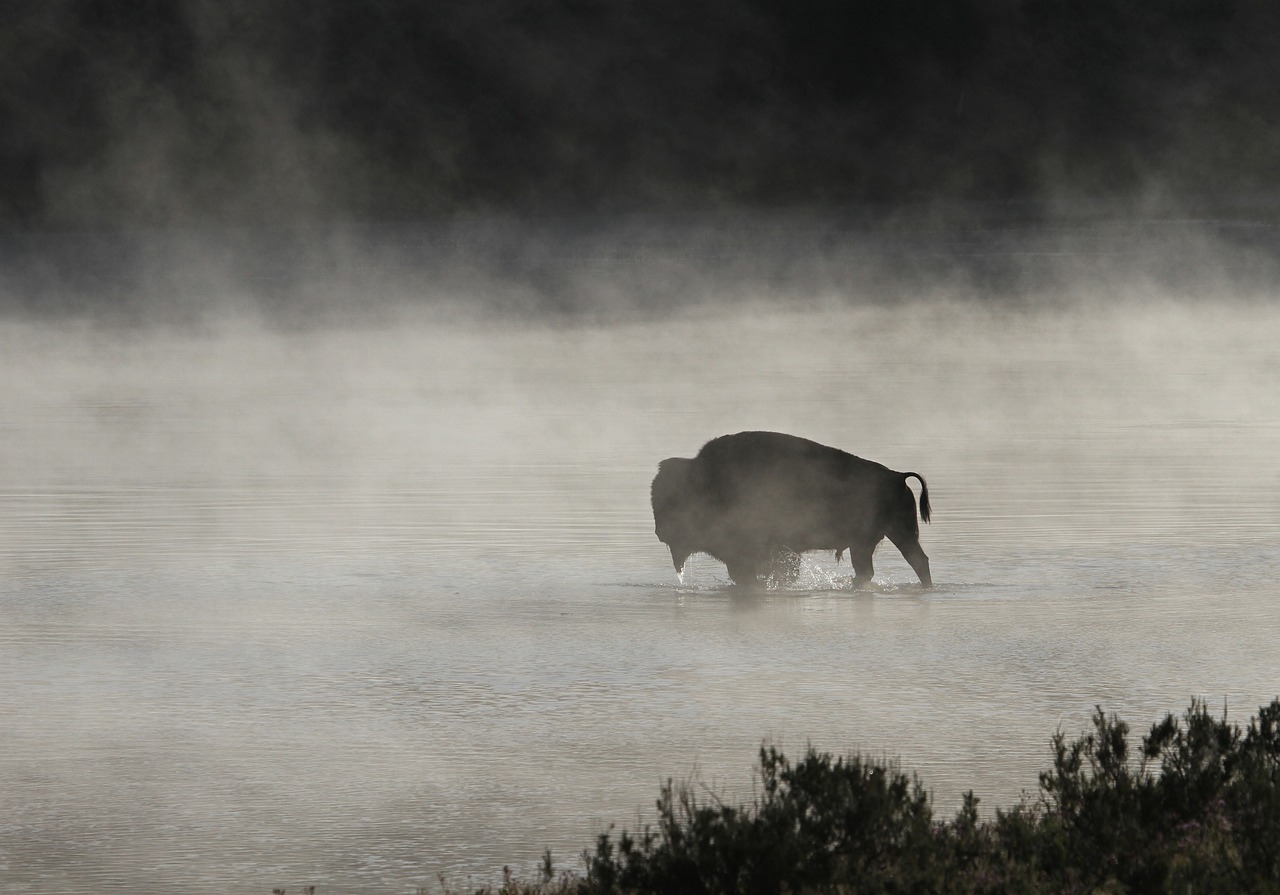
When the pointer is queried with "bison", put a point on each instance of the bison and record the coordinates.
(746, 497)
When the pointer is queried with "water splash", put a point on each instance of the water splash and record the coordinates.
(812, 576)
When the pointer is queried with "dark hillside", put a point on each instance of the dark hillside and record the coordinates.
(164, 111)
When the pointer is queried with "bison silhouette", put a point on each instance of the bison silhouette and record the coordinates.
(747, 497)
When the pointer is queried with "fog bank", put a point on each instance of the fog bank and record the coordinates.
(602, 268)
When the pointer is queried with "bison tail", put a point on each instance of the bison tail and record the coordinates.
(925, 510)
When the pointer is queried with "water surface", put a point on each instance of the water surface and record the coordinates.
(351, 607)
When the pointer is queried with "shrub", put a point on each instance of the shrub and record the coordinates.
(1195, 809)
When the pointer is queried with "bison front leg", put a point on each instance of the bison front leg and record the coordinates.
(911, 552)
(745, 568)
(741, 569)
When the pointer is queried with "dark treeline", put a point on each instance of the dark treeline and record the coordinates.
(168, 111)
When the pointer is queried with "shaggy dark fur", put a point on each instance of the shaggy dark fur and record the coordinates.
(748, 496)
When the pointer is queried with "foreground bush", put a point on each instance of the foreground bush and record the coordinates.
(1195, 808)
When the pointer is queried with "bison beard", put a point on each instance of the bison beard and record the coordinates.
(746, 497)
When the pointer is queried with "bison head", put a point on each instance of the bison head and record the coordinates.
(676, 517)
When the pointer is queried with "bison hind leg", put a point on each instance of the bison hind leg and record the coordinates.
(913, 554)
(860, 557)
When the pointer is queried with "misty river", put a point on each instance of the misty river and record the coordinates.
(356, 605)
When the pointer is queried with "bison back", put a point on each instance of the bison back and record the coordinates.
(791, 491)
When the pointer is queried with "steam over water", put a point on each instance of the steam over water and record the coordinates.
(350, 607)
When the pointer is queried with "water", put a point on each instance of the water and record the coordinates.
(353, 607)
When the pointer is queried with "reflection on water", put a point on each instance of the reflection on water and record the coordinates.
(349, 609)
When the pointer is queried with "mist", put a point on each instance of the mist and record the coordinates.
(353, 605)
(339, 348)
